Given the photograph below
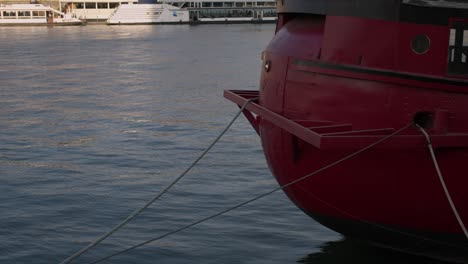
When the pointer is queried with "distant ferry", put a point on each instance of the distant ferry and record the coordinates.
(34, 14)
(174, 11)
(229, 11)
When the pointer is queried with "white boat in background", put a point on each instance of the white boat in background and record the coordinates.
(148, 14)
(93, 10)
(34, 14)
(231, 11)
(171, 11)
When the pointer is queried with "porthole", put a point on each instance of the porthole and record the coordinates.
(421, 44)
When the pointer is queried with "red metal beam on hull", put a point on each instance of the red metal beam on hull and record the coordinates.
(286, 124)
(332, 140)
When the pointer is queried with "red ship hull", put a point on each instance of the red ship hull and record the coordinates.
(317, 105)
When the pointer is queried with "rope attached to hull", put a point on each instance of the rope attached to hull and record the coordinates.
(174, 182)
(442, 181)
(354, 154)
(133, 215)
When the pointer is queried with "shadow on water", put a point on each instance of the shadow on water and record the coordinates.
(352, 251)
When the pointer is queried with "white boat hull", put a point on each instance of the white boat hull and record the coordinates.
(148, 14)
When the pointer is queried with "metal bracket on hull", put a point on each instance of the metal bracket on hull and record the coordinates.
(328, 135)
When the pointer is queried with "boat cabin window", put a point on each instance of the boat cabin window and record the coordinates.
(113, 5)
(37, 14)
(91, 5)
(9, 14)
(269, 13)
(24, 14)
(102, 5)
(458, 49)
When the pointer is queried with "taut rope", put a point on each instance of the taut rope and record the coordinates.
(140, 210)
(442, 181)
(256, 198)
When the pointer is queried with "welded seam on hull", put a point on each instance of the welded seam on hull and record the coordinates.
(386, 73)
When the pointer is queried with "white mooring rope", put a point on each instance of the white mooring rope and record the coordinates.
(140, 210)
(442, 181)
(352, 155)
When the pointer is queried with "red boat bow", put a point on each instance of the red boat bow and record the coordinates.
(339, 76)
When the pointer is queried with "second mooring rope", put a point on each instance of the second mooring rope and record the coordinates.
(140, 210)
(256, 198)
(442, 181)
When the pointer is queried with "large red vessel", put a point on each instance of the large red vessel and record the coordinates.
(340, 75)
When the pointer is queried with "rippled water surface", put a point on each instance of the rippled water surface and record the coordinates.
(96, 120)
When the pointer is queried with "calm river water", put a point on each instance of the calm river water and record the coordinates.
(96, 120)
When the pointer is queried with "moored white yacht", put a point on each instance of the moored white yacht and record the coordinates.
(148, 14)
